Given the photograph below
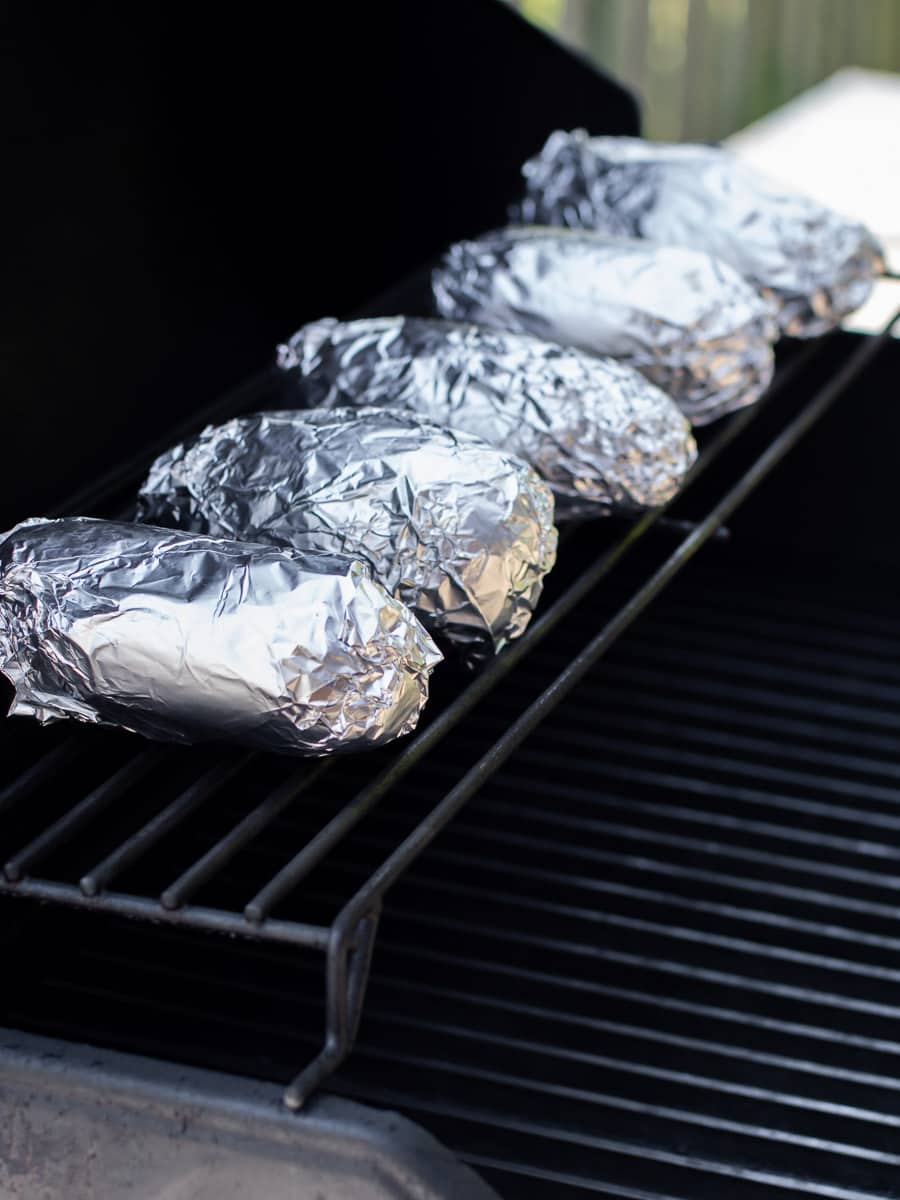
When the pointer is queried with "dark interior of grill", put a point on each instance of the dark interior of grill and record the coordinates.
(655, 954)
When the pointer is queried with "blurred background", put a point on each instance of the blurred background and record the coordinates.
(705, 68)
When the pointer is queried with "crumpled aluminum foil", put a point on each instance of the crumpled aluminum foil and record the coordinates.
(460, 531)
(686, 321)
(185, 638)
(603, 437)
(818, 265)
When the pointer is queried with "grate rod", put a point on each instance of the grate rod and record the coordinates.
(38, 772)
(149, 834)
(225, 849)
(91, 806)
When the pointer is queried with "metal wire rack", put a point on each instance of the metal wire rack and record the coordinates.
(346, 941)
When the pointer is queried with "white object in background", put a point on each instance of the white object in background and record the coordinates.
(840, 143)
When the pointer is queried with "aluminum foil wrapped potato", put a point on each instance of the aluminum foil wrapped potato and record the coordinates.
(187, 638)
(599, 433)
(460, 531)
(818, 265)
(686, 321)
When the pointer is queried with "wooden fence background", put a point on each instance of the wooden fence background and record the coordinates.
(705, 68)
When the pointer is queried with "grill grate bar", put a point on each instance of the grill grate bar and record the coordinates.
(772, 830)
(693, 659)
(640, 835)
(573, 988)
(520, 1083)
(672, 759)
(532, 1050)
(663, 966)
(490, 1118)
(621, 1029)
(672, 900)
(85, 811)
(594, 1096)
(677, 933)
(852, 625)
(654, 999)
(694, 719)
(784, 648)
(40, 772)
(157, 827)
(220, 854)
(655, 740)
(827, 709)
(676, 870)
(397, 993)
(520, 872)
(636, 729)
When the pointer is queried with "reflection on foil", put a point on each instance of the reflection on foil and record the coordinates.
(817, 265)
(187, 638)
(686, 321)
(599, 433)
(460, 531)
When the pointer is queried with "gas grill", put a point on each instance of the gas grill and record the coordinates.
(620, 918)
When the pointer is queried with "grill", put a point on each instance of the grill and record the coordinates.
(621, 917)
(654, 949)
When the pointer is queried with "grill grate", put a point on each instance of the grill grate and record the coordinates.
(153, 860)
(651, 977)
(675, 966)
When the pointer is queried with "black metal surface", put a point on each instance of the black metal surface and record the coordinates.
(655, 957)
(38, 865)
(658, 953)
(185, 193)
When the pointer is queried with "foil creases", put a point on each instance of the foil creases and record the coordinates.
(686, 321)
(817, 265)
(460, 531)
(187, 638)
(602, 436)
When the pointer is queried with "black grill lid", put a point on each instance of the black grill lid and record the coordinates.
(186, 189)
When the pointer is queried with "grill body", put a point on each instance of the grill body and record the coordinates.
(621, 918)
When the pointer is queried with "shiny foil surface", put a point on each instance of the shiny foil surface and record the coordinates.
(187, 638)
(460, 531)
(686, 321)
(597, 431)
(816, 264)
